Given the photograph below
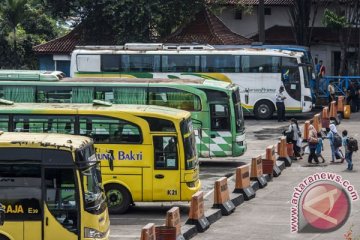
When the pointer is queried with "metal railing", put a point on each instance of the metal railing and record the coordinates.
(341, 84)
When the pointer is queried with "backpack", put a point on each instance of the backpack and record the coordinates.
(337, 140)
(352, 144)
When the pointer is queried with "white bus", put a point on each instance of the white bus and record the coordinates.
(258, 72)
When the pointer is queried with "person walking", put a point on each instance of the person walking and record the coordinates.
(280, 105)
(348, 152)
(293, 134)
(320, 147)
(331, 90)
(335, 144)
(312, 140)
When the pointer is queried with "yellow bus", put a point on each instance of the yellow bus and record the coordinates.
(50, 188)
(147, 153)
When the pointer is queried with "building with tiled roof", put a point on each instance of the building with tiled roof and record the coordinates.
(206, 28)
(231, 26)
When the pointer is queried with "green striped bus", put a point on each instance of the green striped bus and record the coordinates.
(215, 106)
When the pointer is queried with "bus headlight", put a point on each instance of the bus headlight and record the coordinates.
(92, 233)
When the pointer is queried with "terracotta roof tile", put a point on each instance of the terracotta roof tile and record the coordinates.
(206, 29)
(66, 44)
(62, 45)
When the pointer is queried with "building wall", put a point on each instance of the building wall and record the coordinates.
(47, 63)
(248, 26)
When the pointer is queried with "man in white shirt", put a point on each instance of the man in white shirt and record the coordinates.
(280, 105)
(331, 90)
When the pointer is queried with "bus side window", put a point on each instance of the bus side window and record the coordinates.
(4, 123)
(165, 152)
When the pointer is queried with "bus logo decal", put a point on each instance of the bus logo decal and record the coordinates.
(130, 156)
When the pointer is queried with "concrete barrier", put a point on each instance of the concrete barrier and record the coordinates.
(148, 232)
(340, 105)
(222, 197)
(242, 182)
(333, 115)
(269, 163)
(282, 152)
(197, 213)
(325, 119)
(173, 220)
(290, 151)
(256, 173)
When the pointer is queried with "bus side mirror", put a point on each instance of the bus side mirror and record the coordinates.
(2, 215)
(111, 160)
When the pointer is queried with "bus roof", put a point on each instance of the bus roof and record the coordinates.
(108, 81)
(137, 110)
(52, 140)
(31, 75)
(186, 49)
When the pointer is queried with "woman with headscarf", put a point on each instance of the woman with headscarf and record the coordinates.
(335, 150)
(312, 140)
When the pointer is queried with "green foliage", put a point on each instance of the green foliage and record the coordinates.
(333, 20)
(23, 24)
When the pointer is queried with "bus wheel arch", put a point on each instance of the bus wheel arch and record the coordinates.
(4, 237)
(119, 198)
(264, 109)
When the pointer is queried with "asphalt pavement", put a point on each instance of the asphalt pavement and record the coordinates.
(267, 216)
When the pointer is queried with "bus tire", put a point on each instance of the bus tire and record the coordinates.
(118, 198)
(2, 237)
(264, 109)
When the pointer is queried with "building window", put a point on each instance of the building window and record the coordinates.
(238, 14)
(267, 11)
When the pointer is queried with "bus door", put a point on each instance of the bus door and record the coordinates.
(167, 173)
(220, 140)
(20, 195)
(291, 81)
(61, 210)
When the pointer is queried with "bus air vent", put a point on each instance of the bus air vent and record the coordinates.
(6, 102)
(101, 103)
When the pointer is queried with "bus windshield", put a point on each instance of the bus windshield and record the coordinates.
(189, 143)
(94, 196)
(239, 117)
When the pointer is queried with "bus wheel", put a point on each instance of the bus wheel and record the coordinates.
(264, 109)
(2, 237)
(118, 198)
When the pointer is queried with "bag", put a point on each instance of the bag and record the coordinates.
(313, 140)
(337, 140)
(299, 142)
(352, 144)
(307, 150)
(289, 136)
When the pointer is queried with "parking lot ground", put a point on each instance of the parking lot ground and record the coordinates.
(268, 215)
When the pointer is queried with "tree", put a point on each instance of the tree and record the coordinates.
(13, 14)
(301, 12)
(22, 27)
(128, 20)
(342, 20)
